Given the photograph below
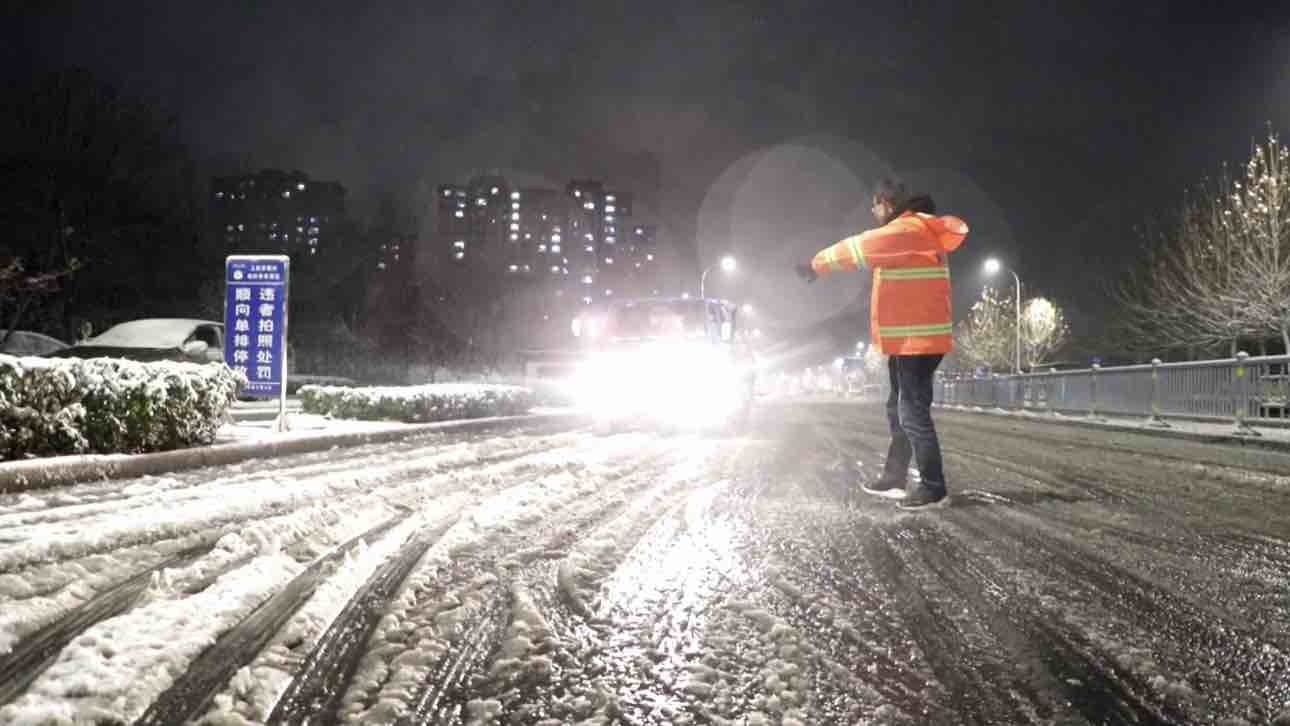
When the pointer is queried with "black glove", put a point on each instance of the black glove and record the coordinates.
(806, 272)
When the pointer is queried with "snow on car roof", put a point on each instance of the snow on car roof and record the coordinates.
(148, 333)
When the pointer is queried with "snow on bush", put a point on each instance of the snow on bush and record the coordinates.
(54, 406)
(432, 402)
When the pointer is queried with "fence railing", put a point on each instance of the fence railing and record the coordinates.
(1239, 390)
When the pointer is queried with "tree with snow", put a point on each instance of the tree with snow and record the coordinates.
(1044, 330)
(989, 335)
(1223, 273)
(986, 338)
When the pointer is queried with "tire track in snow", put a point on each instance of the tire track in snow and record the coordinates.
(1056, 670)
(1188, 652)
(148, 492)
(192, 691)
(450, 599)
(315, 692)
(33, 654)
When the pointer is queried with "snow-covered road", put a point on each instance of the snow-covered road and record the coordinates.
(552, 577)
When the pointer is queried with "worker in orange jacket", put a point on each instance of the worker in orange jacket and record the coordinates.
(910, 321)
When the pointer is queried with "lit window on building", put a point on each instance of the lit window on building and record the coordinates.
(609, 292)
(219, 195)
(586, 300)
(515, 205)
(610, 209)
(611, 240)
(493, 190)
(555, 237)
(286, 193)
(515, 268)
(610, 198)
(555, 269)
(515, 216)
(555, 249)
(515, 236)
(515, 227)
(577, 192)
(447, 192)
(300, 186)
(460, 244)
(589, 248)
(541, 248)
(515, 195)
(460, 255)
(460, 214)
(589, 205)
(481, 202)
(609, 260)
(587, 279)
(649, 257)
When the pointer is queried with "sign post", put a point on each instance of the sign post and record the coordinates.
(255, 325)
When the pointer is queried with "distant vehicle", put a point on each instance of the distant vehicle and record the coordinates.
(853, 376)
(26, 342)
(155, 339)
(666, 360)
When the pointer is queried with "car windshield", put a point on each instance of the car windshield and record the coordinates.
(679, 318)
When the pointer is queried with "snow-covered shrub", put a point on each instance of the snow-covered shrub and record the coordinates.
(107, 405)
(434, 402)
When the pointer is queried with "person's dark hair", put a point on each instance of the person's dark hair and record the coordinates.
(897, 196)
(892, 191)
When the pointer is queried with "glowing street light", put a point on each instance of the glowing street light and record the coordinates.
(992, 266)
(860, 346)
(727, 264)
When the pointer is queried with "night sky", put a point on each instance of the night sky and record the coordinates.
(1051, 127)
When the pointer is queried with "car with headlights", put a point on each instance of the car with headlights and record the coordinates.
(671, 361)
(154, 339)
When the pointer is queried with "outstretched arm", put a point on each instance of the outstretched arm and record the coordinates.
(893, 244)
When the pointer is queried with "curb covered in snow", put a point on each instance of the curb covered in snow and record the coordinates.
(1208, 437)
(16, 476)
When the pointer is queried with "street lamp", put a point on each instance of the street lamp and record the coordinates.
(727, 264)
(992, 266)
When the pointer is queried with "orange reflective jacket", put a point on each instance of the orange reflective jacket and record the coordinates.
(909, 312)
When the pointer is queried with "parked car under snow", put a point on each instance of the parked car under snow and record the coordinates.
(155, 339)
(26, 342)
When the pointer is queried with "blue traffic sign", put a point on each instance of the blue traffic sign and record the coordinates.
(255, 321)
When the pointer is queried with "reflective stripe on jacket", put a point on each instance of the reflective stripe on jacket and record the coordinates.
(909, 311)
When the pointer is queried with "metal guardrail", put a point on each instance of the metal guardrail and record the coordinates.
(1239, 390)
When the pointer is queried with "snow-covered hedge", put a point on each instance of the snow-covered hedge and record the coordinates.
(433, 402)
(51, 406)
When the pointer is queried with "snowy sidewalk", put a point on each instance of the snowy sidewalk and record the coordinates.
(1259, 434)
(245, 440)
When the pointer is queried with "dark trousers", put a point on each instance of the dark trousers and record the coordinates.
(909, 412)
